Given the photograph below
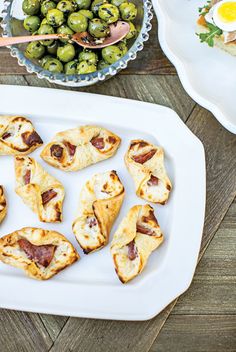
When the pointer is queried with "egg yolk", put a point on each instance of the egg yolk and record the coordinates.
(227, 12)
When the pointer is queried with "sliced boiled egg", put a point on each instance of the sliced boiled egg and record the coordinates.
(209, 15)
(224, 15)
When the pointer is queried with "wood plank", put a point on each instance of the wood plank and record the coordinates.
(220, 259)
(213, 290)
(162, 90)
(23, 332)
(202, 333)
(104, 335)
(13, 80)
(149, 61)
(210, 295)
(53, 324)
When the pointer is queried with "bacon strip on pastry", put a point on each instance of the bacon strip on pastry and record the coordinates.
(145, 162)
(138, 235)
(100, 202)
(18, 136)
(80, 147)
(43, 193)
(40, 253)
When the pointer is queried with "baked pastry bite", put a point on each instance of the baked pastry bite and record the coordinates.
(43, 193)
(80, 147)
(40, 253)
(100, 202)
(17, 136)
(3, 204)
(136, 238)
(145, 162)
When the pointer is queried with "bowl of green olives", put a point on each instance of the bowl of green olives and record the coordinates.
(62, 61)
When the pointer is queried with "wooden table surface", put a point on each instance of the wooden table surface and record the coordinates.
(204, 318)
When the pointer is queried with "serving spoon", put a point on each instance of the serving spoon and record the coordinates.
(118, 31)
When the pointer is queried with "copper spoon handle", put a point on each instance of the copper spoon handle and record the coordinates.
(6, 41)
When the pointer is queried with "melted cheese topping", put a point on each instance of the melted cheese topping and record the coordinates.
(107, 185)
(155, 193)
(126, 268)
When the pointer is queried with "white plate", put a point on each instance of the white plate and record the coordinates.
(207, 74)
(90, 287)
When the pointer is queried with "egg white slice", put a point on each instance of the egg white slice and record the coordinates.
(209, 15)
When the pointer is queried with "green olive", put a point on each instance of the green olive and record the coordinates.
(45, 59)
(86, 13)
(31, 7)
(96, 4)
(32, 23)
(83, 4)
(77, 22)
(109, 13)
(52, 49)
(128, 11)
(34, 50)
(66, 53)
(122, 46)
(132, 31)
(117, 2)
(71, 67)
(98, 28)
(66, 6)
(102, 64)
(84, 67)
(64, 29)
(46, 6)
(111, 54)
(55, 17)
(54, 65)
(44, 21)
(46, 29)
(89, 56)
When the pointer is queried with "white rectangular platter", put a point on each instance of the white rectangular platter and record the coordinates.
(90, 287)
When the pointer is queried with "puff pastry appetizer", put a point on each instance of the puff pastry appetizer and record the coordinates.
(43, 193)
(17, 136)
(136, 238)
(40, 253)
(80, 147)
(3, 204)
(100, 202)
(145, 162)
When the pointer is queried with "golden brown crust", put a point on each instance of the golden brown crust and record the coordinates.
(145, 162)
(11, 253)
(17, 136)
(43, 193)
(3, 204)
(77, 148)
(100, 202)
(138, 235)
